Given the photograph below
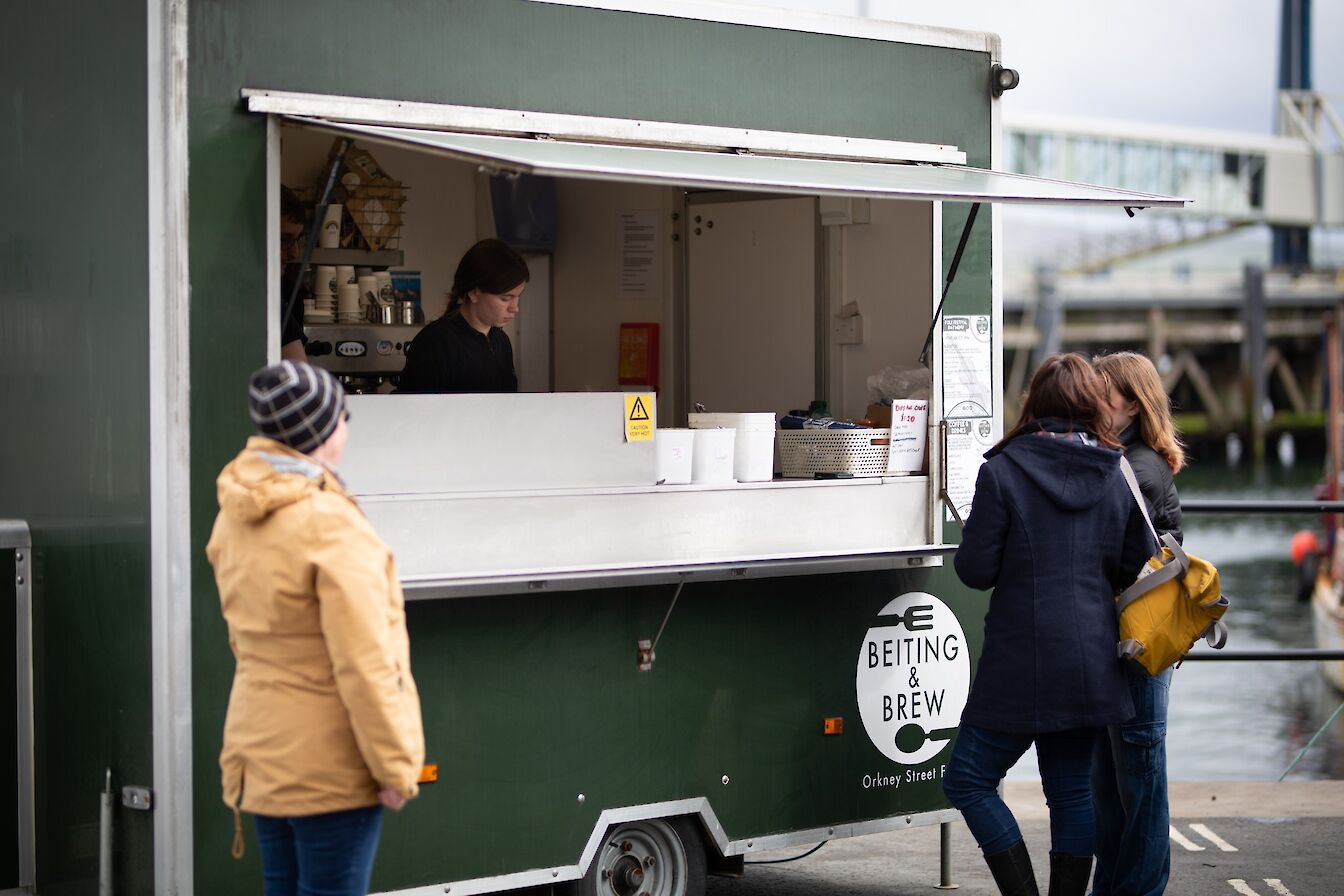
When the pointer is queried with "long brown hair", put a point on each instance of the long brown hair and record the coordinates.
(1135, 378)
(1066, 386)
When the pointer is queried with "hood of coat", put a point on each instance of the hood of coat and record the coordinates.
(1063, 466)
(266, 476)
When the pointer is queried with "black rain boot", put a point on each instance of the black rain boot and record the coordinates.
(1012, 871)
(1069, 875)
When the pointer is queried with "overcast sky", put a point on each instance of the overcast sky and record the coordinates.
(1197, 63)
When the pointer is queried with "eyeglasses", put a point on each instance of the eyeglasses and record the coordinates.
(289, 240)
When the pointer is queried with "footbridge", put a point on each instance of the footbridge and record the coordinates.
(1294, 177)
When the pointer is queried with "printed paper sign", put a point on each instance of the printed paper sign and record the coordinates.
(967, 441)
(968, 366)
(913, 678)
(637, 241)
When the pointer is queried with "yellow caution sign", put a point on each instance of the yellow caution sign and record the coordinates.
(639, 417)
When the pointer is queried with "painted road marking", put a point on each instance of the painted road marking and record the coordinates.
(1185, 841)
(1213, 838)
(1245, 889)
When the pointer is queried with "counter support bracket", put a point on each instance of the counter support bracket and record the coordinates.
(646, 648)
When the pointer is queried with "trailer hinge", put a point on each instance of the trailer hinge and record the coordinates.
(136, 797)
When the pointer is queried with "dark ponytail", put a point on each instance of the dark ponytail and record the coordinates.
(490, 266)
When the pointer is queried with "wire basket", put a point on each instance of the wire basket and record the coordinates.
(858, 452)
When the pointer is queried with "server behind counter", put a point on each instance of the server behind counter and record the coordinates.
(465, 350)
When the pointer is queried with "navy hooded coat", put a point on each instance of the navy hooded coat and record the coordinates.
(1055, 531)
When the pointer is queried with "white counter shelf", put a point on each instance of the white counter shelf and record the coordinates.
(483, 521)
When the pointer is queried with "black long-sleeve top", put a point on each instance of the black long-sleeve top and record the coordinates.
(450, 355)
(1156, 483)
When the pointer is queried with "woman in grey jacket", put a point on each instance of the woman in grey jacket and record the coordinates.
(1129, 769)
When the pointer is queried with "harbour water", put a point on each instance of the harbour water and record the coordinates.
(1247, 721)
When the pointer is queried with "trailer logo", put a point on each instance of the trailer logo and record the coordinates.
(914, 676)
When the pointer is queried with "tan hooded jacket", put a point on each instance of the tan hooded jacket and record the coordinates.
(323, 712)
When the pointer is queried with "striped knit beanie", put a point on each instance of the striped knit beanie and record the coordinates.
(295, 404)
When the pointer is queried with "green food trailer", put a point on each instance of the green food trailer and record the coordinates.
(625, 683)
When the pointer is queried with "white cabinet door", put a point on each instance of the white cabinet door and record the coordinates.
(752, 304)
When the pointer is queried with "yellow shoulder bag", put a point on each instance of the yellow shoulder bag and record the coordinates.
(1175, 601)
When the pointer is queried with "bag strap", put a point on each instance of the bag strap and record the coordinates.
(1215, 635)
(1126, 469)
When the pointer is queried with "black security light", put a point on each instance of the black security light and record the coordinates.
(1001, 79)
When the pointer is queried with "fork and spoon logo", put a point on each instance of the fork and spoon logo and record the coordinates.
(913, 677)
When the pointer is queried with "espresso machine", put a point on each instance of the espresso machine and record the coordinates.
(365, 357)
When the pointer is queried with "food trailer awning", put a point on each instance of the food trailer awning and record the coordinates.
(743, 170)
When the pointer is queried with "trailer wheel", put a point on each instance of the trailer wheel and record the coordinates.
(660, 857)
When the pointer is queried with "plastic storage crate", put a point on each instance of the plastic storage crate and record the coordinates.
(858, 452)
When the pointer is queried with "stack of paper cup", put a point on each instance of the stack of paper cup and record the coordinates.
(321, 308)
(345, 273)
(329, 237)
(348, 309)
(385, 294)
(324, 280)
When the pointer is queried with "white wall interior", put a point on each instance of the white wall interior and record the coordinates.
(588, 308)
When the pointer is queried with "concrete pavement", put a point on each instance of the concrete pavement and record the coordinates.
(1230, 839)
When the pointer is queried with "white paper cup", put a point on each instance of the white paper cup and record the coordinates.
(673, 452)
(345, 273)
(324, 280)
(368, 290)
(347, 299)
(329, 237)
(385, 294)
(712, 455)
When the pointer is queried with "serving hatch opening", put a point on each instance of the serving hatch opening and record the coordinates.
(749, 264)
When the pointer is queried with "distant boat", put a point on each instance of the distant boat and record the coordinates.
(1327, 618)
(1327, 598)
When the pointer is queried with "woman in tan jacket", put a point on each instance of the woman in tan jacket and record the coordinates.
(323, 726)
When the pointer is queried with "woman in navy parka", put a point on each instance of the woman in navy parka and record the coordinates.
(1056, 533)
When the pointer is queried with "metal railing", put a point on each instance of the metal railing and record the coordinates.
(15, 536)
(1280, 654)
(1219, 505)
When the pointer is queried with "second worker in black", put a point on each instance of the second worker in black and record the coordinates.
(465, 350)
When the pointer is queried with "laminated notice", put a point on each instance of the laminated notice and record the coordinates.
(968, 366)
(968, 438)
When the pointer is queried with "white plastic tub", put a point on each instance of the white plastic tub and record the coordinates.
(712, 455)
(909, 431)
(754, 451)
(674, 451)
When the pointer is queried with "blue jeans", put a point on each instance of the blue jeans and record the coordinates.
(319, 855)
(980, 758)
(1129, 793)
